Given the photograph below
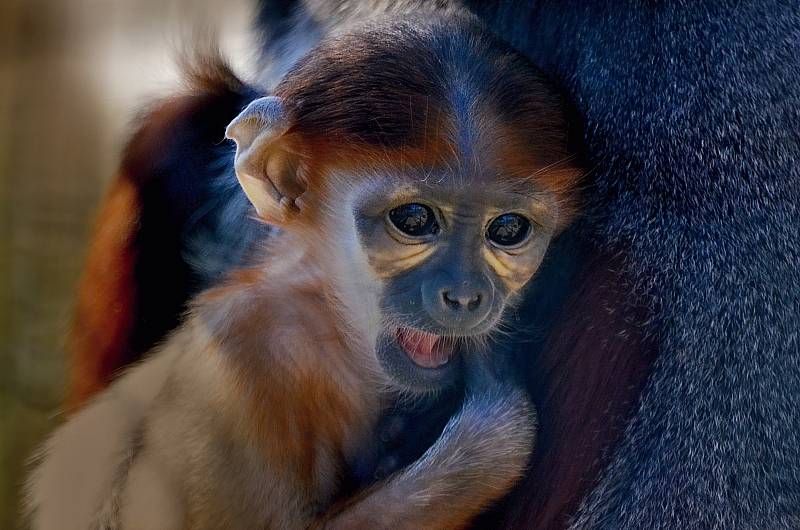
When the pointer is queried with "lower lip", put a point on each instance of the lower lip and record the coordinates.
(424, 349)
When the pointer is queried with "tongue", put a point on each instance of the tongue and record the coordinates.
(425, 349)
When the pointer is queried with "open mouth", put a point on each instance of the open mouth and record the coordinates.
(426, 350)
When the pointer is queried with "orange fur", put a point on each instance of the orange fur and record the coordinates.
(292, 363)
(106, 301)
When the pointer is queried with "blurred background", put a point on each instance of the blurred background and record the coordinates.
(72, 75)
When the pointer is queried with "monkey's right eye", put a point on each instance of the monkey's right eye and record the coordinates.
(414, 219)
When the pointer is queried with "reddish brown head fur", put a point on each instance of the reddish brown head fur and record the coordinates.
(430, 92)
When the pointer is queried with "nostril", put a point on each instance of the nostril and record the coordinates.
(457, 303)
(450, 302)
(473, 304)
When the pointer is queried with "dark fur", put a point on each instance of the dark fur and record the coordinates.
(689, 250)
(691, 126)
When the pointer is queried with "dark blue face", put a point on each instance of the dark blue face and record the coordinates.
(449, 258)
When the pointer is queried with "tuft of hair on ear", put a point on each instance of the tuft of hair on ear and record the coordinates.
(204, 68)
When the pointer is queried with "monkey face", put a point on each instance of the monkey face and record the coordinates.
(450, 255)
(427, 176)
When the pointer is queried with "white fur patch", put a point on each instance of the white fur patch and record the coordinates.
(69, 489)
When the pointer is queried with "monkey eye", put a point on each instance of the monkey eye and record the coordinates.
(508, 230)
(414, 219)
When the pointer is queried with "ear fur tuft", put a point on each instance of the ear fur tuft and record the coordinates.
(266, 168)
(264, 115)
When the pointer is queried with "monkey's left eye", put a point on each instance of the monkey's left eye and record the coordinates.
(508, 230)
(414, 219)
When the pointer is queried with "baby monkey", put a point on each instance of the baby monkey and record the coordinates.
(417, 169)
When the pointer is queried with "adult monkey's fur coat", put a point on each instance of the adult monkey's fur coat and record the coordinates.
(662, 341)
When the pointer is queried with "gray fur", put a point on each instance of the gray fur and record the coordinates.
(691, 117)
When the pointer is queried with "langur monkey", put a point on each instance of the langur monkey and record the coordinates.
(417, 169)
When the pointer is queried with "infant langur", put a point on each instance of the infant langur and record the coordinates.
(416, 170)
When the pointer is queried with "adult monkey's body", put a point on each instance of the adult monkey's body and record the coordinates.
(690, 114)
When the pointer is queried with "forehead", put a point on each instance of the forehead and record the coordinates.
(446, 189)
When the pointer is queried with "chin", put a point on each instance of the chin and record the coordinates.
(419, 361)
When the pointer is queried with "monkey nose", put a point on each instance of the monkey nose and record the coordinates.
(459, 302)
(455, 301)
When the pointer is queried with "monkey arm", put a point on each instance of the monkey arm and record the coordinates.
(481, 453)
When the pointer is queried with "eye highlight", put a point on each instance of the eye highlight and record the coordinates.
(508, 230)
(414, 219)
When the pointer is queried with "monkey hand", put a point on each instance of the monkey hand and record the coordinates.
(408, 429)
(481, 453)
(497, 411)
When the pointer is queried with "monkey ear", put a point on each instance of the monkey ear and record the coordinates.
(267, 170)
